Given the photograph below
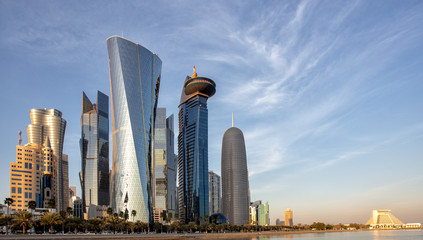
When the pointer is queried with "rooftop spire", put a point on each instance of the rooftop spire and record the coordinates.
(233, 119)
(20, 138)
(195, 73)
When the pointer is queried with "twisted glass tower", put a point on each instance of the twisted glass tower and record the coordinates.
(94, 146)
(235, 198)
(193, 149)
(134, 88)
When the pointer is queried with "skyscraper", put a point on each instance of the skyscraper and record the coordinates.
(263, 214)
(193, 148)
(289, 221)
(94, 145)
(164, 184)
(26, 175)
(48, 126)
(214, 193)
(235, 197)
(134, 89)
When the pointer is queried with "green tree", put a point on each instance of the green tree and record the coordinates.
(110, 211)
(175, 226)
(8, 202)
(318, 226)
(51, 203)
(121, 214)
(51, 219)
(133, 214)
(32, 205)
(113, 222)
(22, 219)
(5, 221)
(69, 211)
(192, 226)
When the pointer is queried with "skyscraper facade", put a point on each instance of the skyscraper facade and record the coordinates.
(164, 184)
(214, 193)
(26, 176)
(289, 220)
(134, 88)
(94, 145)
(48, 126)
(263, 214)
(235, 187)
(193, 148)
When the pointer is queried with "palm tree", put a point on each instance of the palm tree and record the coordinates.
(8, 202)
(133, 214)
(110, 211)
(51, 203)
(113, 221)
(69, 211)
(32, 205)
(51, 219)
(23, 219)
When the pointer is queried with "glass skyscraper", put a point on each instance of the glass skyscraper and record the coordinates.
(164, 184)
(193, 148)
(134, 89)
(94, 145)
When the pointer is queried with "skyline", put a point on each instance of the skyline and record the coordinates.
(328, 92)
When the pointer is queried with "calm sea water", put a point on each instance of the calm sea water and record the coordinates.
(366, 235)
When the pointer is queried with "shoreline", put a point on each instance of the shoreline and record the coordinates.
(181, 236)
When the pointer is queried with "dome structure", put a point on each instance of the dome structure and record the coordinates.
(218, 218)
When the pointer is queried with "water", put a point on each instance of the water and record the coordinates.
(365, 235)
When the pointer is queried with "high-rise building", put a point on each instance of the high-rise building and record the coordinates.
(235, 197)
(384, 219)
(214, 193)
(193, 148)
(289, 220)
(94, 145)
(26, 176)
(263, 214)
(254, 212)
(48, 127)
(164, 183)
(134, 88)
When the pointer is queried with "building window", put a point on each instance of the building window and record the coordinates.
(13, 190)
(19, 190)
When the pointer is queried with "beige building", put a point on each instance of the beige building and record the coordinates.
(26, 175)
(289, 220)
(384, 219)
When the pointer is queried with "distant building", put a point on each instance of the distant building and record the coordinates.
(78, 207)
(72, 193)
(289, 220)
(279, 222)
(94, 145)
(235, 186)
(384, 219)
(26, 176)
(254, 212)
(263, 214)
(164, 174)
(214, 193)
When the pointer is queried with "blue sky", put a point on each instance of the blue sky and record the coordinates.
(327, 93)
